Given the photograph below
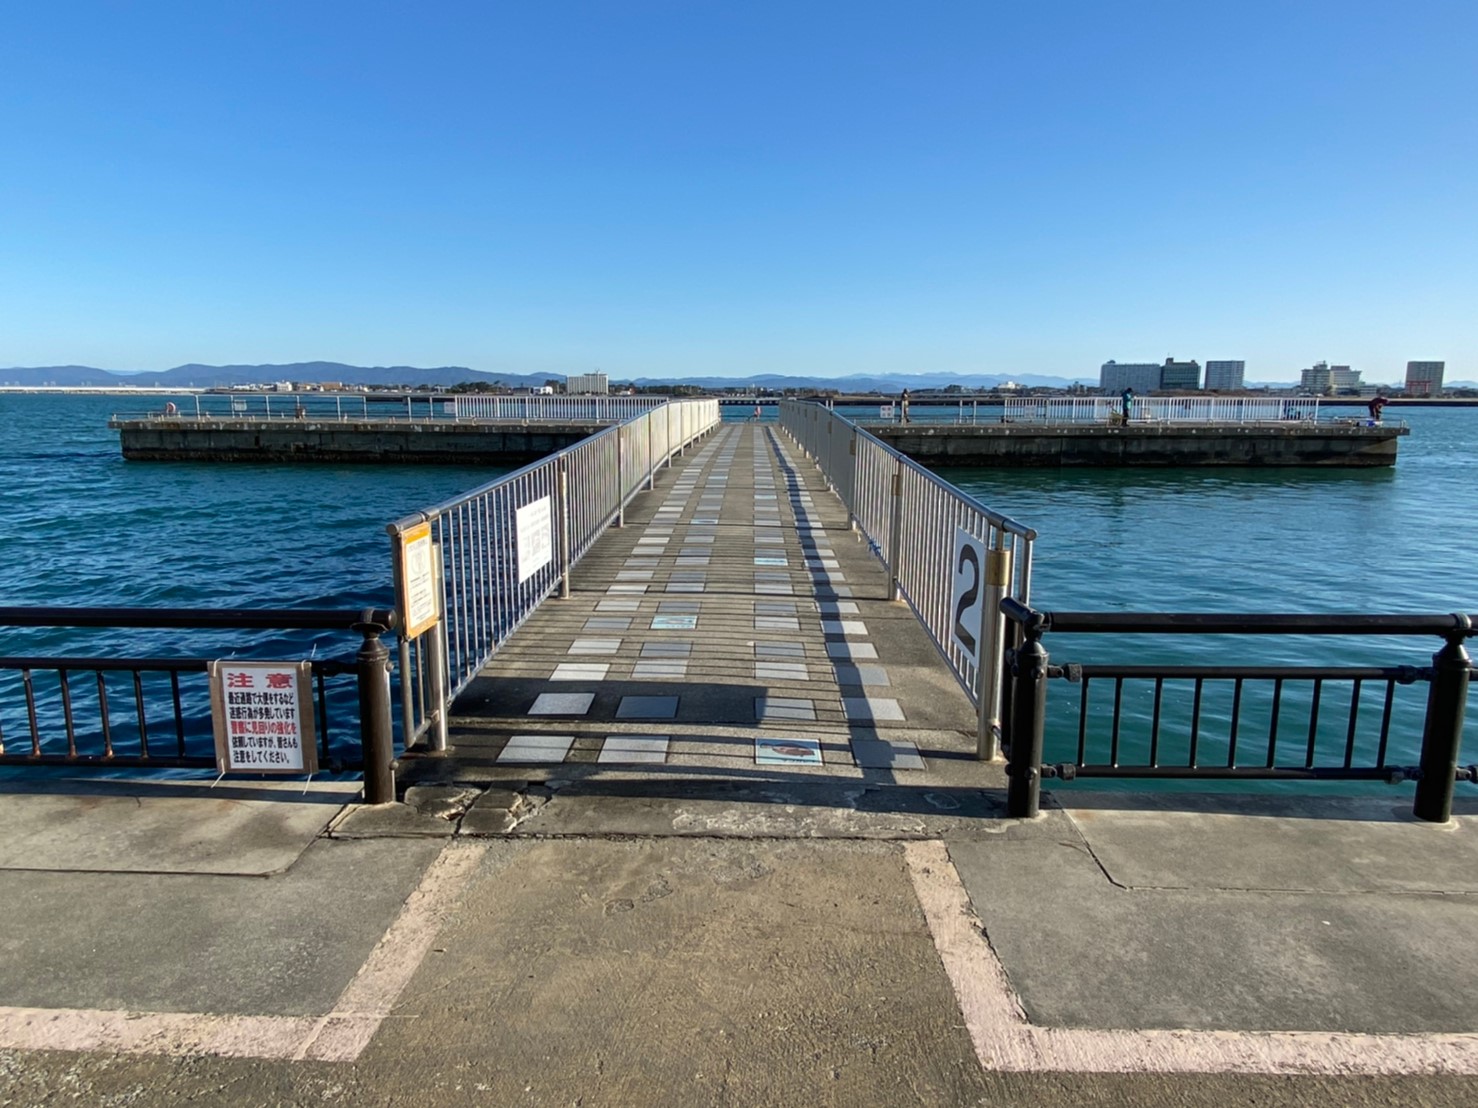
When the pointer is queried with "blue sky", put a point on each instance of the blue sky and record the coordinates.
(669, 188)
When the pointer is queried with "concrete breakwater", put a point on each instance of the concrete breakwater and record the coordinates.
(445, 442)
(226, 439)
(1150, 444)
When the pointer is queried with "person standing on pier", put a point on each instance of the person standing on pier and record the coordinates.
(1126, 398)
(903, 407)
(1376, 404)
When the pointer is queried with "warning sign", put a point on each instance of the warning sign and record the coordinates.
(263, 716)
(415, 582)
(535, 537)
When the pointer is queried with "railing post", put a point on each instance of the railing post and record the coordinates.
(376, 735)
(620, 477)
(895, 533)
(1447, 701)
(988, 672)
(651, 467)
(1028, 718)
(436, 662)
(852, 482)
(562, 490)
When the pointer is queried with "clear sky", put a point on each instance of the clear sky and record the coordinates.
(669, 188)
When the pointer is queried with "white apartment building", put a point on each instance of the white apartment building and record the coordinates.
(1226, 376)
(1323, 379)
(587, 383)
(1424, 378)
(1142, 377)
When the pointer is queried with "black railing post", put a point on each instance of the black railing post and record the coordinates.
(1028, 720)
(377, 739)
(1442, 736)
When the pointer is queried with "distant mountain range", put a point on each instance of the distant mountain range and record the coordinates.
(224, 376)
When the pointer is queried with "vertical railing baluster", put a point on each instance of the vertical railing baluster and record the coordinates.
(1385, 724)
(103, 715)
(68, 722)
(1114, 731)
(1273, 723)
(138, 703)
(1350, 733)
(179, 712)
(1155, 722)
(29, 685)
(1196, 723)
(1313, 723)
(1083, 724)
(1236, 721)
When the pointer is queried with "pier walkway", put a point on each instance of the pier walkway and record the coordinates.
(735, 632)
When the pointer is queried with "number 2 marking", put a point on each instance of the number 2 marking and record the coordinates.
(968, 597)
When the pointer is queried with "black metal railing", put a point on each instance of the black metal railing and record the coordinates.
(154, 711)
(1346, 717)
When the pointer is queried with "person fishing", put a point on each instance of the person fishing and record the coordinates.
(1126, 399)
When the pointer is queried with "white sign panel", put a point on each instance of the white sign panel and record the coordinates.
(263, 715)
(968, 595)
(535, 538)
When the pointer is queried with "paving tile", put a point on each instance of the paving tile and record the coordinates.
(774, 607)
(776, 623)
(784, 707)
(674, 623)
(666, 649)
(769, 560)
(634, 575)
(837, 607)
(783, 752)
(685, 586)
(594, 646)
(779, 650)
(580, 671)
(843, 627)
(871, 709)
(634, 748)
(849, 673)
(618, 606)
(679, 605)
(641, 563)
(656, 669)
(562, 704)
(536, 748)
(647, 707)
(627, 590)
(781, 671)
(607, 623)
(879, 754)
(851, 650)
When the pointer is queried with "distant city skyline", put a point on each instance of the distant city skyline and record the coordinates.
(724, 190)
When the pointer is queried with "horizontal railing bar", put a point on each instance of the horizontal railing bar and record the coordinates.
(1331, 773)
(1399, 674)
(1244, 623)
(328, 667)
(296, 619)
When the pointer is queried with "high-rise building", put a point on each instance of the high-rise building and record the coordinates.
(1323, 379)
(1140, 376)
(1424, 378)
(587, 383)
(1226, 376)
(1180, 375)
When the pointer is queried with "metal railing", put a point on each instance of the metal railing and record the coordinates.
(910, 518)
(380, 408)
(566, 409)
(1233, 721)
(490, 584)
(105, 710)
(1161, 409)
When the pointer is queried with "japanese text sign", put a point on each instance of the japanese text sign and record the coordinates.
(263, 716)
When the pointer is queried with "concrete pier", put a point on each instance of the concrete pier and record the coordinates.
(1351, 443)
(735, 632)
(436, 442)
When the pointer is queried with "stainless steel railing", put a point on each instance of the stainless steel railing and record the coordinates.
(505, 547)
(912, 520)
(573, 409)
